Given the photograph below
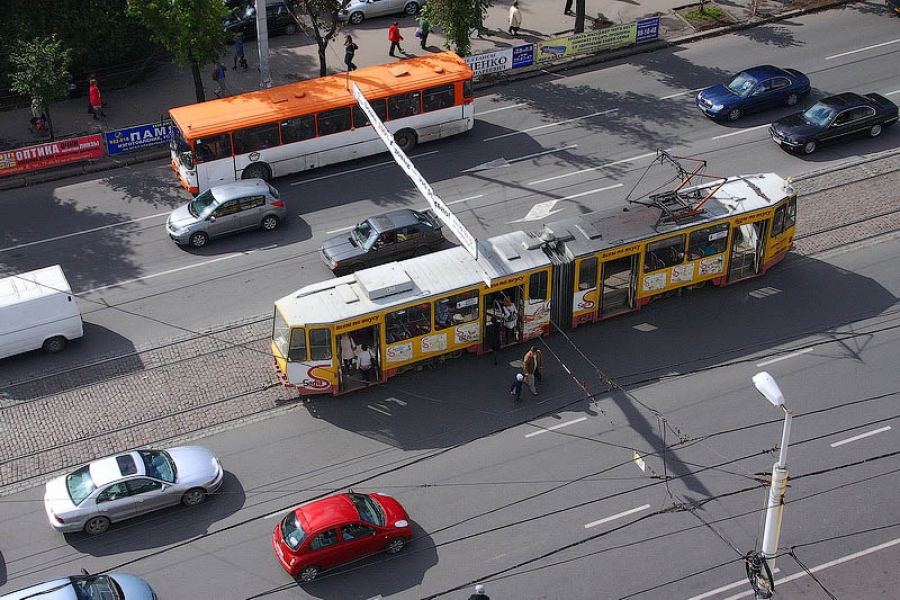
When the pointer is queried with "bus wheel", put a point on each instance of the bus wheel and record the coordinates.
(406, 139)
(54, 344)
(256, 172)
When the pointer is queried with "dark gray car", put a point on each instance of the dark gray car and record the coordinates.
(381, 239)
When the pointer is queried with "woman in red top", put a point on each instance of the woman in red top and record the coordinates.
(96, 100)
(395, 38)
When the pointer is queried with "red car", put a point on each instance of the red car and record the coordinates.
(336, 530)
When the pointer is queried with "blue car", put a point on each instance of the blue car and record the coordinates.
(753, 90)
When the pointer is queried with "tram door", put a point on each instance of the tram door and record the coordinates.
(747, 248)
(619, 285)
(352, 357)
(506, 307)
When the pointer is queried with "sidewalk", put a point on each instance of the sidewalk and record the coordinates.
(295, 57)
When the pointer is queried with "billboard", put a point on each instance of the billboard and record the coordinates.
(51, 154)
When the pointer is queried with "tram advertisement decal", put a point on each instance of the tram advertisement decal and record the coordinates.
(52, 154)
(466, 334)
(683, 273)
(711, 266)
(585, 300)
(654, 282)
(312, 381)
(433, 343)
(399, 352)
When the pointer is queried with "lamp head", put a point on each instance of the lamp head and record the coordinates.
(766, 385)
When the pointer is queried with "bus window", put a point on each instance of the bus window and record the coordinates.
(255, 138)
(456, 309)
(379, 106)
(404, 105)
(537, 286)
(708, 241)
(587, 274)
(335, 120)
(407, 323)
(785, 217)
(319, 344)
(297, 350)
(297, 129)
(213, 147)
(664, 253)
(437, 98)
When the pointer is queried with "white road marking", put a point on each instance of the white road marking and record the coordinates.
(529, 130)
(543, 209)
(670, 96)
(763, 292)
(68, 235)
(340, 230)
(725, 588)
(822, 567)
(645, 327)
(378, 410)
(555, 427)
(785, 357)
(493, 110)
(603, 166)
(367, 168)
(892, 93)
(465, 199)
(501, 162)
(618, 516)
(861, 49)
(861, 436)
(161, 273)
(741, 131)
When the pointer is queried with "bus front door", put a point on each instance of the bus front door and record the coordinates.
(619, 276)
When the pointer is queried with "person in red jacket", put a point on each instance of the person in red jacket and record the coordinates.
(395, 38)
(96, 100)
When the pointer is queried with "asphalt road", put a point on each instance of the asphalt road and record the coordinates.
(494, 495)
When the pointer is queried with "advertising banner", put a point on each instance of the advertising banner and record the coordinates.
(138, 138)
(583, 43)
(491, 62)
(647, 29)
(51, 154)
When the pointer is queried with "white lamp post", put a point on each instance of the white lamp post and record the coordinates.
(767, 386)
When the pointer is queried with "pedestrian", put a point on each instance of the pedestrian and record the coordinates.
(348, 353)
(95, 100)
(516, 388)
(239, 58)
(515, 18)
(538, 365)
(529, 364)
(479, 593)
(349, 52)
(568, 9)
(510, 319)
(424, 30)
(364, 362)
(493, 337)
(395, 38)
(219, 78)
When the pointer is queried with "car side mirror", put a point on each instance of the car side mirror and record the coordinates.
(211, 218)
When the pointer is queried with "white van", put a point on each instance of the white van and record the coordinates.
(37, 310)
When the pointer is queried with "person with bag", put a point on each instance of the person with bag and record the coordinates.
(349, 52)
(364, 362)
(239, 58)
(348, 353)
(529, 366)
(424, 30)
(510, 319)
(219, 78)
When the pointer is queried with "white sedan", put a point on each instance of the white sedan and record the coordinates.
(127, 485)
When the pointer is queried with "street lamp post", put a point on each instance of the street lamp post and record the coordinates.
(767, 386)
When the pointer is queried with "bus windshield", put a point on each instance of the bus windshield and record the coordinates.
(181, 149)
(202, 205)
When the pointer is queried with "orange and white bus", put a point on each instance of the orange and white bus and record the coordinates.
(301, 126)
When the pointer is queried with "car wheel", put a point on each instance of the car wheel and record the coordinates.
(308, 574)
(193, 497)
(875, 131)
(54, 344)
(809, 147)
(411, 8)
(734, 114)
(356, 18)
(793, 99)
(96, 525)
(406, 139)
(198, 240)
(256, 172)
(269, 223)
(395, 545)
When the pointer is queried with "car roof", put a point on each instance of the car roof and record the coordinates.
(327, 512)
(842, 101)
(394, 219)
(239, 189)
(764, 72)
(107, 469)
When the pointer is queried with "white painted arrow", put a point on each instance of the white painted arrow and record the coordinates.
(540, 210)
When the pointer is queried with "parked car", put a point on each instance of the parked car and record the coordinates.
(225, 209)
(893, 5)
(360, 10)
(335, 530)
(834, 119)
(381, 239)
(115, 586)
(130, 484)
(753, 90)
(280, 19)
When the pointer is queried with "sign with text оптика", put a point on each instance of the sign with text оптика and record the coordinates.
(51, 154)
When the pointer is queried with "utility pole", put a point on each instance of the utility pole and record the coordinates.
(262, 42)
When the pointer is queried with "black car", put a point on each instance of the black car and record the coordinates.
(280, 19)
(834, 119)
(377, 240)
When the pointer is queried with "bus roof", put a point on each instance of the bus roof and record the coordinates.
(314, 95)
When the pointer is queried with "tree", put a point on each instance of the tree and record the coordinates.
(320, 18)
(190, 29)
(457, 18)
(42, 72)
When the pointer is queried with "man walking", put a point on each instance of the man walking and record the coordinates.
(529, 364)
(516, 388)
(479, 593)
(395, 38)
(515, 18)
(219, 76)
(568, 10)
(424, 30)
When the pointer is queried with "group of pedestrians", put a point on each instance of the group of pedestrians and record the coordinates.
(531, 374)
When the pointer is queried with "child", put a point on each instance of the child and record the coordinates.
(516, 388)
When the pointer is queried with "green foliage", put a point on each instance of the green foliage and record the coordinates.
(41, 69)
(318, 17)
(455, 19)
(711, 13)
(190, 29)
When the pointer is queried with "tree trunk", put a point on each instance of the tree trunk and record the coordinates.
(198, 82)
(323, 68)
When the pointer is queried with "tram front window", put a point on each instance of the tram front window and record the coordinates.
(298, 345)
(281, 333)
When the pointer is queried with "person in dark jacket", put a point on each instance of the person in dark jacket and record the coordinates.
(349, 52)
(479, 593)
(516, 388)
(493, 338)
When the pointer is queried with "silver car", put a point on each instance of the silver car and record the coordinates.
(360, 10)
(127, 485)
(224, 209)
(121, 586)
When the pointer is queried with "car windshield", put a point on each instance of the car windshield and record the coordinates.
(369, 510)
(361, 233)
(819, 114)
(291, 531)
(80, 485)
(202, 205)
(97, 587)
(742, 85)
(158, 464)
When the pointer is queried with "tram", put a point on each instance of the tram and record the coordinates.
(566, 274)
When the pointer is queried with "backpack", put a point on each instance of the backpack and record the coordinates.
(215, 74)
